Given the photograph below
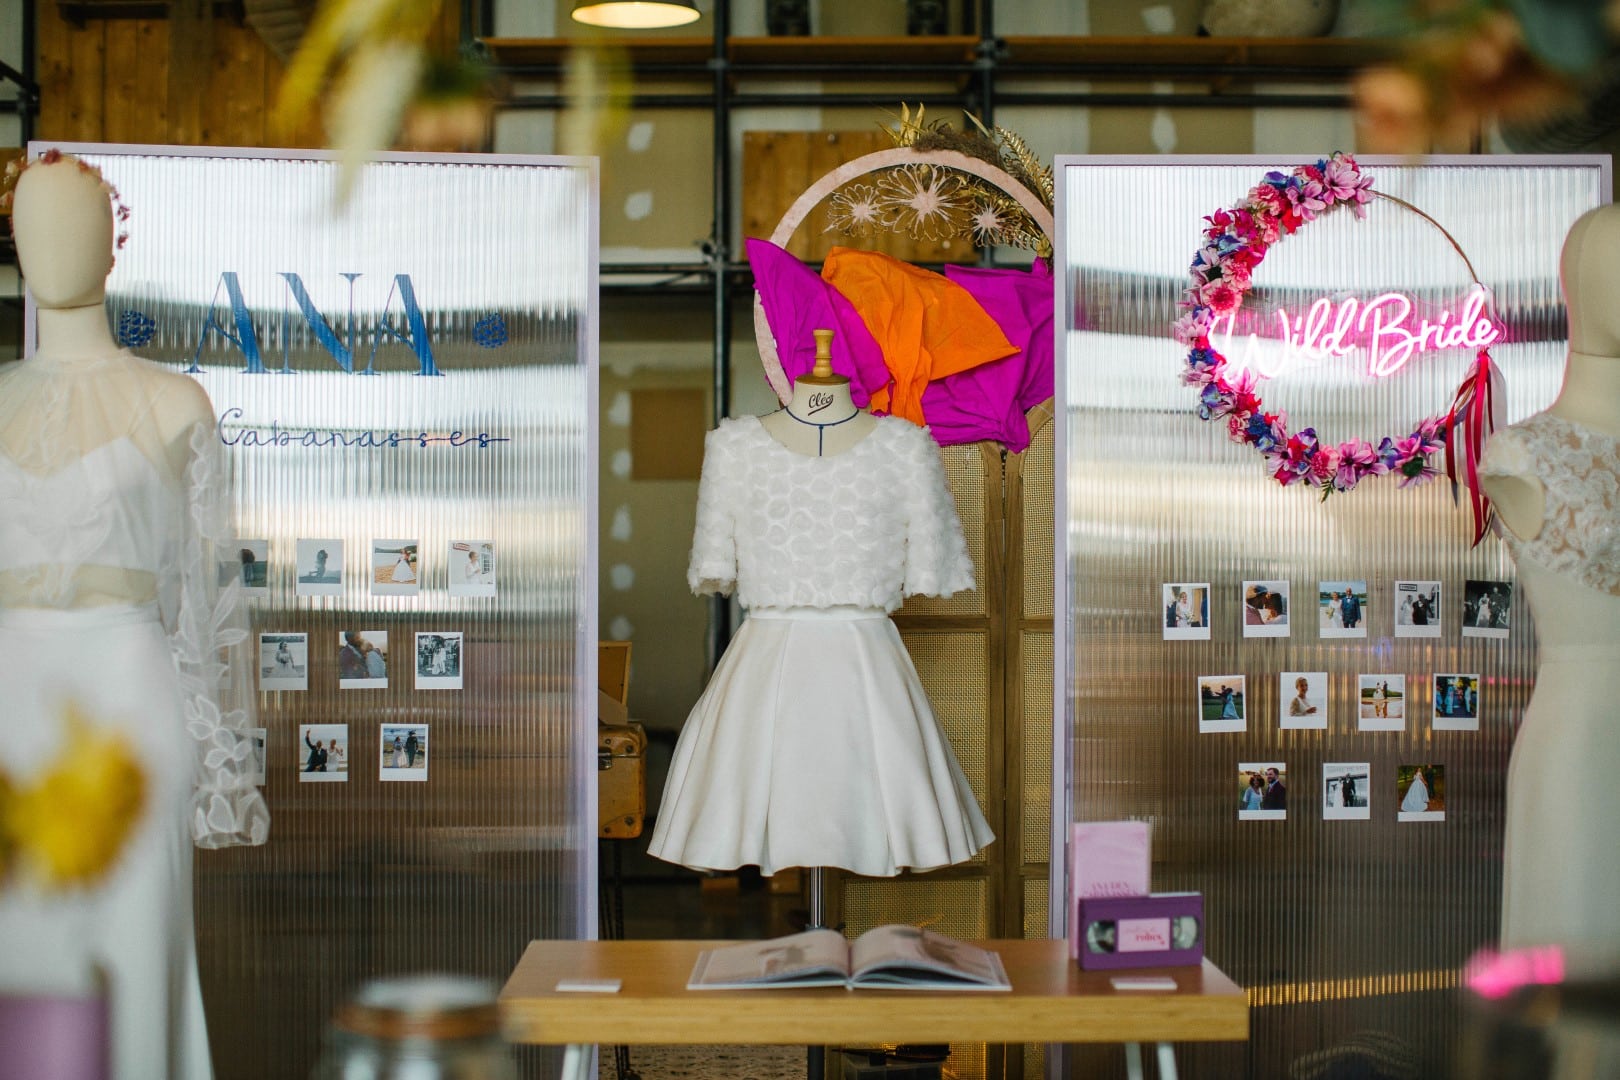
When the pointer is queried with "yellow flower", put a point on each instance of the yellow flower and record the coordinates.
(70, 826)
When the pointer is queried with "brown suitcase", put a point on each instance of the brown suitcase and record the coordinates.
(621, 780)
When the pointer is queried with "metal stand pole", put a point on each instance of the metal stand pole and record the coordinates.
(816, 1056)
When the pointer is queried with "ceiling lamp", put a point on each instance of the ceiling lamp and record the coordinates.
(635, 14)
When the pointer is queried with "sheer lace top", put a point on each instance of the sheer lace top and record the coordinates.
(866, 527)
(1579, 471)
(98, 505)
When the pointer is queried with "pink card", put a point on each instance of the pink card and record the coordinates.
(1107, 859)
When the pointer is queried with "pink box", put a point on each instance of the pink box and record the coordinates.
(1107, 859)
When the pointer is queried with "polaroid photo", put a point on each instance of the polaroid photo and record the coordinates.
(1417, 609)
(1381, 701)
(1262, 790)
(1346, 791)
(395, 568)
(1186, 610)
(1220, 704)
(246, 561)
(259, 741)
(472, 568)
(439, 660)
(320, 568)
(404, 752)
(1304, 698)
(1265, 609)
(1487, 606)
(1421, 792)
(324, 755)
(283, 661)
(1341, 609)
(1456, 701)
(362, 657)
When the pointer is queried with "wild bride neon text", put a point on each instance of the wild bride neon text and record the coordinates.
(1382, 326)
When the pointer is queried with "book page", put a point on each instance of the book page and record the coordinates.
(907, 955)
(813, 958)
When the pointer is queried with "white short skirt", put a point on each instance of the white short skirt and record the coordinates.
(814, 745)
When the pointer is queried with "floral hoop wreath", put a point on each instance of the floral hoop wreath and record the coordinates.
(1235, 243)
(17, 166)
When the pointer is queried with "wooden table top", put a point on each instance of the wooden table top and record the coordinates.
(1052, 1000)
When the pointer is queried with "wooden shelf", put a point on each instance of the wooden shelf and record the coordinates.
(1326, 58)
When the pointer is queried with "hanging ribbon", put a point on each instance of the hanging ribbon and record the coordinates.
(1469, 424)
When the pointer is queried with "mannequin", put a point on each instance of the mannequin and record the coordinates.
(821, 419)
(1547, 477)
(814, 743)
(112, 505)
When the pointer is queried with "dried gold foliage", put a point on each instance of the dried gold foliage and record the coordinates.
(989, 215)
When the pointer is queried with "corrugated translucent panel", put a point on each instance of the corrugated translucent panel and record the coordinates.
(1334, 926)
(486, 274)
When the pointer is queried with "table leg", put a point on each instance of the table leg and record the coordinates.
(815, 1064)
(576, 1062)
(1167, 1061)
(1133, 1061)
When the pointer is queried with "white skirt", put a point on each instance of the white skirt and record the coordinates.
(814, 745)
(136, 924)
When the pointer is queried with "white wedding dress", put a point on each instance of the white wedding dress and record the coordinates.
(110, 598)
(1561, 880)
(1417, 796)
(814, 743)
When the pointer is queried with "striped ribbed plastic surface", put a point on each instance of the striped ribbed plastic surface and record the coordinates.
(1334, 926)
(485, 274)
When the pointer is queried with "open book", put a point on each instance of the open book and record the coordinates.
(889, 957)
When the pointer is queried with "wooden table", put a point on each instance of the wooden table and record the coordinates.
(1052, 1001)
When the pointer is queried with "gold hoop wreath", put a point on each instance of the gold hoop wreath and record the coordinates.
(1235, 242)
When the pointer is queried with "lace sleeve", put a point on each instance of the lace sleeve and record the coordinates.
(713, 567)
(209, 641)
(937, 560)
(1506, 455)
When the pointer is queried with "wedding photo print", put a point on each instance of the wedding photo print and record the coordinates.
(1265, 609)
(404, 752)
(1486, 608)
(362, 657)
(1421, 791)
(1456, 702)
(1220, 704)
(1346, 791)
(1262, 790)
(472, 568)
(394, 568)
(438, 660)
(1381, 702)
(1304, 697)
(1186, 611)
(320, 568)
(283, 661)
(247, 561)
(260, 739)
(1342, 609)
(1417, 609)
(325, 753)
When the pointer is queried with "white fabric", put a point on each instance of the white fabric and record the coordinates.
(866, 527)
(136, 926)
(95, 508)
(1561, 876)
(814, 745)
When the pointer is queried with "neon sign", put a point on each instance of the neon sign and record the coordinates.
(1382, 326)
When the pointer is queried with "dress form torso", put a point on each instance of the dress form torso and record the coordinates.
(821, 419)
(1555, 480)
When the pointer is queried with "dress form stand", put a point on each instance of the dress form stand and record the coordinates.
(820, 420)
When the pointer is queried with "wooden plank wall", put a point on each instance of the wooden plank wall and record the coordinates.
(111, 80)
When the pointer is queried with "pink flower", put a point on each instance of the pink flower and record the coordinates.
(1220, 297)
(1236, 274)
(1357, 458)
(1325, 463)
(1190, 327)
(1306, 197)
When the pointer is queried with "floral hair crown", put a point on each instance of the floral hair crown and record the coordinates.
(17, 166)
